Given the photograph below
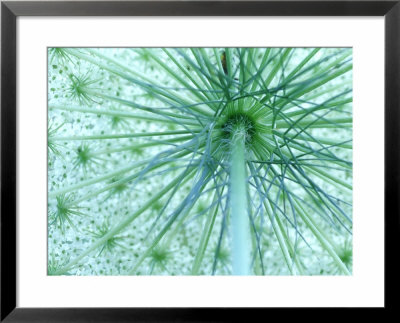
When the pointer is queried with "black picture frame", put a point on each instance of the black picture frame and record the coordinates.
(10, 10)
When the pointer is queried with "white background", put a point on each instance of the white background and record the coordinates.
(364, 288)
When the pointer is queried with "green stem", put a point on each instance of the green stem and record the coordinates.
(118, 172)
(140, 146)
(205, 236)
(238, 203)
(121, 136)
(98, 179)
(113, 113)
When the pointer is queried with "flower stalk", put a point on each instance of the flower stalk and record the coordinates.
(241, 244)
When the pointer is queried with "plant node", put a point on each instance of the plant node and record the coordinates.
(236, 120)
(80, 87)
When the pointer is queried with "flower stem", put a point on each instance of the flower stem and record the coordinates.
(238, 200)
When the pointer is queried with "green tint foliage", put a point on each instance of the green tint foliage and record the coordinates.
(200, 161)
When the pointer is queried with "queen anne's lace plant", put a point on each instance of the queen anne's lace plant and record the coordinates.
(202, 161)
